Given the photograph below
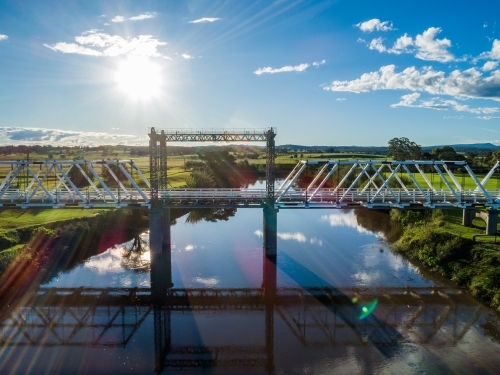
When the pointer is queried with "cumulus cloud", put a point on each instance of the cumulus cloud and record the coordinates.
(425, 46)
(489, 65)
(411, 100)
(494, 54)
(288, 68)
(376, 44)
(319, 63)
(96, 43)
(462, 83)
(341, 99)
(402, 44)
(186, 56)
(432, 49)
(204, 20)
(3, 37)
(374, 25)
(139, 17)
(59, 137)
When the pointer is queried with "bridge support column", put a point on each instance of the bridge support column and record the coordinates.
(468, 215)
(160, 253)
(491, 219)
(270, 231)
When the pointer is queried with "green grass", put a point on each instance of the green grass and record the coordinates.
(16, 218)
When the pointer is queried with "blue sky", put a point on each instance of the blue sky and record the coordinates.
(338, 72)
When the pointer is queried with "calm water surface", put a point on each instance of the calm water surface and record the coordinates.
(336, 301)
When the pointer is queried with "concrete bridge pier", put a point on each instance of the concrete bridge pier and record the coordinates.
(490, 217)
(270, 231)
(160, 253)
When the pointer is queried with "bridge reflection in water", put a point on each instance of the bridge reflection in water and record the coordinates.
(315, 317)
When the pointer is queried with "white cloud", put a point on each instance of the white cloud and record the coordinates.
(494, 53)
(186, 56)
(190, 247)
(467, 83)
(489, 65)
(118, 19)
(296, 68)
(402, 44)
(204, 20)
(487, 117)
(319, 63)
(374, 24)
(376, 44)
(144, 16)
(110, 45)
(410, 100)
(73, 48)
(3, 37)
(429, 48)
(425, 46)
(341, 99)
(139, 17)
(59, 137)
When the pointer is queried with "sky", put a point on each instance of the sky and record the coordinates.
(336, 72)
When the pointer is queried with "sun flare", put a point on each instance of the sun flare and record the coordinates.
(139, 78)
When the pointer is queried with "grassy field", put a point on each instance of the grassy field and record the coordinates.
(12, 218)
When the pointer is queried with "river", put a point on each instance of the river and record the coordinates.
(337, 300)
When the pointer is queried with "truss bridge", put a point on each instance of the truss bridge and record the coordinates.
(327, 184)
(369, 184)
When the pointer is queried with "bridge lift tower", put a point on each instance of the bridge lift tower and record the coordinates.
(159, 215)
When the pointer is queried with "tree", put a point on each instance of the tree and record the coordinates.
(404, 149)
(446, 153)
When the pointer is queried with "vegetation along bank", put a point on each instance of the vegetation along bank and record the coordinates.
(438, 240)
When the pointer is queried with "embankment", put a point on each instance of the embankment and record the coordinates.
(432, 239)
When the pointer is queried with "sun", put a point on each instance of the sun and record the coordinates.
(139, 78)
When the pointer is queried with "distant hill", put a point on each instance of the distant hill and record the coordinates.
(477, 148)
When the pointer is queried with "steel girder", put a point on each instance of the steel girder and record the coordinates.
(213, 135)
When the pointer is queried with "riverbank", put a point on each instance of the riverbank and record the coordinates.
(439, 241)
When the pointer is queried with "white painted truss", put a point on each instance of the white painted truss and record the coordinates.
(384, 184)
(335, 184)
(54, 184)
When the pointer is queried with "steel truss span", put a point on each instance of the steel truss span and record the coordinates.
(70, 183)
(333, 184)
(385, 184)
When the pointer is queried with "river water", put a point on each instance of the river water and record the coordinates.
(337, 300)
